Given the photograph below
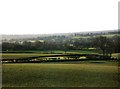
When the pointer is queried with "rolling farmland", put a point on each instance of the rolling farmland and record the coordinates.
(77, 74)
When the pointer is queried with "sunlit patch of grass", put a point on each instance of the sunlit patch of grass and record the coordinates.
(116, 55)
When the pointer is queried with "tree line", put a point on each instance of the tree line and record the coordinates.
(106, 45)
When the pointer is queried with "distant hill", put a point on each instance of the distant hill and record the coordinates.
(31, 36)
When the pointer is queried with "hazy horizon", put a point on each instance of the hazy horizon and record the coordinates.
(61, 32)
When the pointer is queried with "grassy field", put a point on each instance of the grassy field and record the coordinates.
(51, 51)
(116, 55)
(107, 35)
(67, 74)
(22, 55)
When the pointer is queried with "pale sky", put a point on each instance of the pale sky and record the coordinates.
(57, 16)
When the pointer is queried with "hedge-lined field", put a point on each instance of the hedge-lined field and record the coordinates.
(42, 53)
(70, 74)
(23, 55)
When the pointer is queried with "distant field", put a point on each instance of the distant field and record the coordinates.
(22, 55)
(51, 51)
(116, 55)
(72, 74)
(107, 35)
(111, 35)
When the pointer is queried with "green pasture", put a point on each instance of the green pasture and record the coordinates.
(111, 35)
(116, 55)
(70, 74)
(53, 51)
(23, 55)
(82, 52)
(107, 35)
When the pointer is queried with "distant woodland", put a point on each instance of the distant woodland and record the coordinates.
(105, 43)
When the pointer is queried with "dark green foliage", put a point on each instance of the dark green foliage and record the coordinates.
(105, 44)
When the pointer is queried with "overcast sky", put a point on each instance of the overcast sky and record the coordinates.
(57, 16)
